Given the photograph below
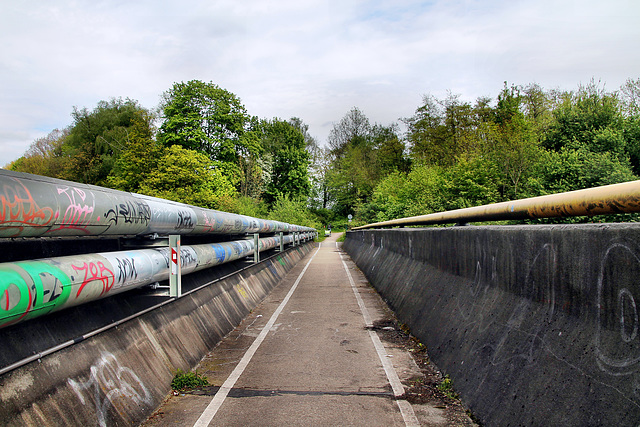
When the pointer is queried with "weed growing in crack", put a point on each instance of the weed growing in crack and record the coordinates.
(188, 380)
(446, 386)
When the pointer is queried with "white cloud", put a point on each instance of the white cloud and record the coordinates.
(313, 59)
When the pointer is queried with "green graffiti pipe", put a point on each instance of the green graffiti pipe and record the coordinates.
(32, 205)
(30, 289)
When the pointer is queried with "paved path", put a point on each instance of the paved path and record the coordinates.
(306, 356)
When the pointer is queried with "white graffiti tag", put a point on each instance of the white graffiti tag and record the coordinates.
(110, 382)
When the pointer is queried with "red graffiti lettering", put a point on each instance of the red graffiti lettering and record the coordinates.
(19, 209)
(96, 272)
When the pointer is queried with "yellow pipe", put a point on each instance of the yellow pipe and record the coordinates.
(609, 199)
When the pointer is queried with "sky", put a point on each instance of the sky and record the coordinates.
(312, 59)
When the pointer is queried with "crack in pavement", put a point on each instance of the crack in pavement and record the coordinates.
(249, 392)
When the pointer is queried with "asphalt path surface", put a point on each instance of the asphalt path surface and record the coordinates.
(308, 355)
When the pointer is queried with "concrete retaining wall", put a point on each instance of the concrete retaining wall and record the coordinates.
(536, 325)
(120, 376)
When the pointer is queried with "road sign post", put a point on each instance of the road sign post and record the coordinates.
(256, 246)
(175, 267)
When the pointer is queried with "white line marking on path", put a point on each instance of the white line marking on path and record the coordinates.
(409, 416)
(221, 395)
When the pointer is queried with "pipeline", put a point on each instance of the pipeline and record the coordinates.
(37, 206)
(605, 200)
(34, 288)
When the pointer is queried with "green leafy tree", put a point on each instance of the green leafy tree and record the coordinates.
(570, 169)
(360, 155)
(139, 157)
(96, 140)
(190, 177)
(631, 134)
(289, 161)
(351, 130)
(389, 148)
(206, 118)
(590, 118)
(441, 130)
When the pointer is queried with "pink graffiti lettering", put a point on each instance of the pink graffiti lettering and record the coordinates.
(19, 209)
(96, 272)
(77, 216)
(209, 224)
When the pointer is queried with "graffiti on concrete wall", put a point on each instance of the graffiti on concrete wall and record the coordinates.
(110, 385)
(529, 326)
(617, 339)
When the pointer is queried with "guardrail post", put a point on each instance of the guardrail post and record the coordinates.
(175, 274)
(281, 241)
(256, 246)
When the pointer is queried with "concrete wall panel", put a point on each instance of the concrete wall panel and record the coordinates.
(536, 325)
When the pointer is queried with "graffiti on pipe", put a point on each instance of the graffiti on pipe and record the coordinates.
(130, 213)
(29, 289)
(78, 214)
(33, 288)
(185, 221)
(126, 269)
(95, 272)
(19, 209)
(110, 385)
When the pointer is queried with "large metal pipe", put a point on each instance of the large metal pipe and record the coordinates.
(33, 288)
(32, 205)
(609, 199)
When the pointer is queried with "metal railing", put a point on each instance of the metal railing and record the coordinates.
(606, 200)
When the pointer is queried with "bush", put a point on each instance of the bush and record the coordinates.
(293, 212)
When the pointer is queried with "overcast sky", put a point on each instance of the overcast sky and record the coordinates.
(310, 59)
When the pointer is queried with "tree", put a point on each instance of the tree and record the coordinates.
(319, 171)
(630, 97)
(203, 117)
(293, 211)
(190, 177)
(569, 169)
(590, 118)
(309, 141)
(440, 130)
(206, 118)
(44, 156)
(289, 161)
(139, 157)
(389, 149)
(96, 139)
(352, 129)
